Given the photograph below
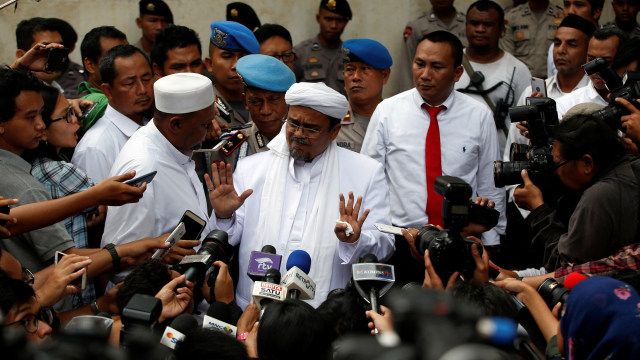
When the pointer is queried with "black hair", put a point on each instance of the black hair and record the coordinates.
(595, 5)
(441, 36)
(147, 278)
(630, 276)
(171, 37)
(50, 97)
(628, 52)
(90, 47)
(584, 134)
(108, 62)
(12, 83)
(198, 345)
(344, 313)
(26, 29)
(605, 33)
(486, 5)
(267, 31)
(68, 34)
(13, 292)
(292, 330)
(487, 299)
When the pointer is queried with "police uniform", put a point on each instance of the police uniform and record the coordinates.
(352, 132)
(228, 115)
(428, 22)
(635, 33)
(240, 144)
(528, 38)
(153, 7)
(317, 63)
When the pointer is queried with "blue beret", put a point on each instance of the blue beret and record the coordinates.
(367, 51)
(230, 35)
(265, 72)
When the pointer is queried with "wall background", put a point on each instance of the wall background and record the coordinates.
(382, 20)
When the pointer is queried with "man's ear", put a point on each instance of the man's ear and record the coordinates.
(335, 130)
(157, 70)
(385, 75)
(244, 100)
(589, 166)
(139, 22)
(20, 53)
(175, 124)
(91, 67)
(106, 89)
(207, 63)
(458, 73)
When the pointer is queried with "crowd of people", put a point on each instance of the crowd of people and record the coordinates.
(489, 210)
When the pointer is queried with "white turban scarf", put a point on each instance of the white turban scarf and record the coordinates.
(319, 97)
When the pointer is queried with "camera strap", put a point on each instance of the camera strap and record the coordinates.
(469, 69)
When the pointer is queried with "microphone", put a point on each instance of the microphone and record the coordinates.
(214, 247)
(298, 284)
(573, 279)
(265, 292)
(261, 261)
(219, 318)
(372, 279)
(175, 333)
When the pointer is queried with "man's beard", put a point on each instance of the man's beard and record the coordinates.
(297, 156)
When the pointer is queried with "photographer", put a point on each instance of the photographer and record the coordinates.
(589, 158)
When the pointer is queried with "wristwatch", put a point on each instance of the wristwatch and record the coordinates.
(115, 258)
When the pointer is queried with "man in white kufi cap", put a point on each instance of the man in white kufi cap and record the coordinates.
(183, 113)
(292, 196)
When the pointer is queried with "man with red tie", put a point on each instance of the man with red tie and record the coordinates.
(428, 131)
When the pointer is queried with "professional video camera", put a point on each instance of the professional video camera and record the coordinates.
(627, 88)
(449, 252)
(541, 117)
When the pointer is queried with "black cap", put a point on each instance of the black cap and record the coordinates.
(156, 7)
(243, 14)
(578, 23)
(340, 7)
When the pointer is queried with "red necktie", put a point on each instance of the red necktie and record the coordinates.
(433, 163)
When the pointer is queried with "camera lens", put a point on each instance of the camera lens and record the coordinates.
(508, 173)
(518, 152)
(552, 292)
(424, 238)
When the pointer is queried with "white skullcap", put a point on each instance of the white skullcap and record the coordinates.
(319, 97)
(583, 109)
(183, 93)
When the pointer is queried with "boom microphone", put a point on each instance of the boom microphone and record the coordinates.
(296, 281)
(261, 261)
(372, 279)
(175, 334)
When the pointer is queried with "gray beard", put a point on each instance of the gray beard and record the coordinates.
(297, 156)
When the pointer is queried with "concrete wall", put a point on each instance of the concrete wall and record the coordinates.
(382, 20)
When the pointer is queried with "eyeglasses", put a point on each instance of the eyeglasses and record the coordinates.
(69, 117)
(286, 57)
(559, 165)
(27, 276)
(30, 321)
(305, 130)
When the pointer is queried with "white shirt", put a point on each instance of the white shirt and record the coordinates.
(396, 138)
(100, 145)
(357, 173)
(587, 94)
(514, 76)
(554, 92)
(551, 66)
(174, 189)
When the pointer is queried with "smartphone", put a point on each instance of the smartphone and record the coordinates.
(4, 210)
(539, 85)
(176, 235)
(146, 178)
(57, 59)
(89, 110)
(389, 229)
(79, 283)
(194, 225)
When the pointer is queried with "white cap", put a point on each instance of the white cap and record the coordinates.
(183, 93)
(319, 97)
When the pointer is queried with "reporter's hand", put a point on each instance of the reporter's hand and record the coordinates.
(481, 273)
(251, 342)
(181, 249)
(107, 302)
(410, 235)
(528, 196)
(524, 130)
(113, 192)
(4, 232)
(57, 285)
(432, 280)
(224, 284)
(520, 289)
(175, 304)
(631, 122)
(78, 106)
(473, 228)
(136, 252)
(249, 317)
(97, 219)
(383, 322)
(36, 58)
(215, 130)
(506, 274)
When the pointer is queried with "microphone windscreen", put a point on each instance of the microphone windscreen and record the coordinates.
(301, 259)
(269, 249)
(573, 279)
(221, 311)
(184, 323)
(369, 258)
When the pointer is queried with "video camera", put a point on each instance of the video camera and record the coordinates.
(541, 117)
(448, 250)
(627, 87)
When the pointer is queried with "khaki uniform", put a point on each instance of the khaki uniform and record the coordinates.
(414, 31)
(227, 114)
(632, 34)
(244, 143)
(317, 63)
(352, 132)
(138, 44)
(528, 39)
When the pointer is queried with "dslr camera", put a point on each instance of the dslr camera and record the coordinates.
(627, 87)
(541, 117)
(448, 250)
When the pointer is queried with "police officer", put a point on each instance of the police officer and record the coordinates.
(155, 15)
(265, 81)
(229, 42)
(367, 66)
(320, 58)
(530, 29)
(243, 14)
(442, 16)
(626, 12)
